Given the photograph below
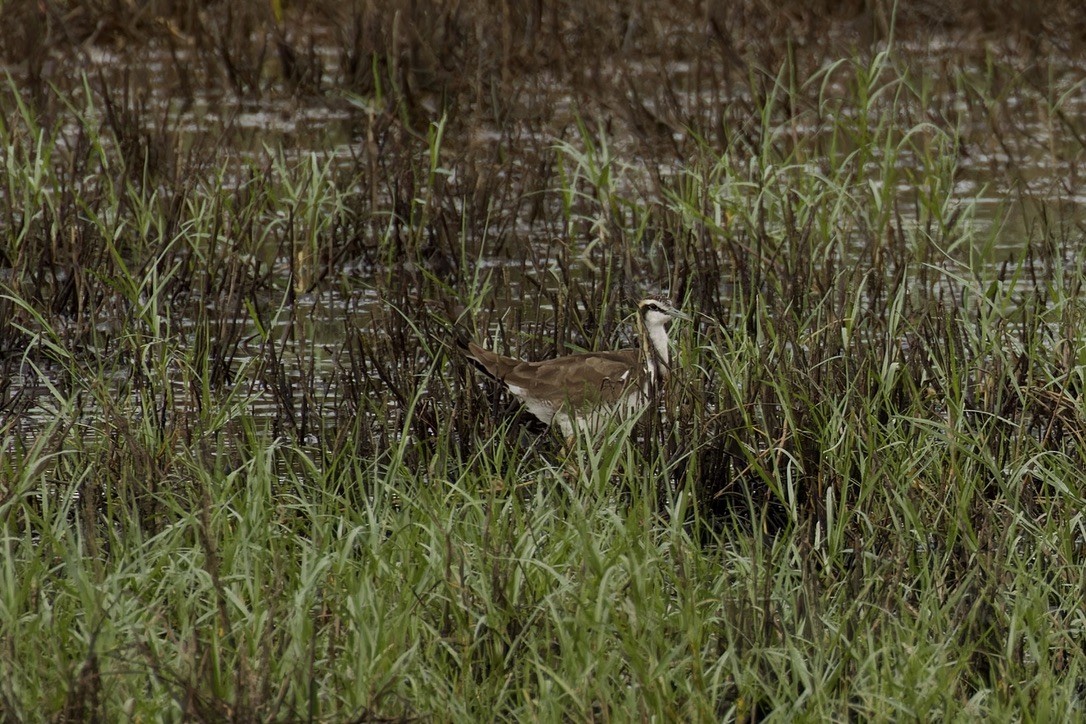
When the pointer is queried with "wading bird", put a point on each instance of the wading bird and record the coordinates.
(592, 386)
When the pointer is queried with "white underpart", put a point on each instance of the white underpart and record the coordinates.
(541, 410)
(591, 424)
(588, 423)
(565, 423)
(656, 328)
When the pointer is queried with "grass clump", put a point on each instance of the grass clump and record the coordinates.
(244, 476)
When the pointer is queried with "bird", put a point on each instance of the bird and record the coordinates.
(591, 386)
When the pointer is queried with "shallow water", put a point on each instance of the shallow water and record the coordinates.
(1016, 166)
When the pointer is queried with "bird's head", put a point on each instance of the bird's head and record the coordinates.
(657, 313)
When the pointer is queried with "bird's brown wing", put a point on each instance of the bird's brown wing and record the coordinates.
(581, 380)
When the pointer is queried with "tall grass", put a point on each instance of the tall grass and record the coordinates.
(243, 474)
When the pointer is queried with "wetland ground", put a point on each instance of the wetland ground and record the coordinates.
(244, 475)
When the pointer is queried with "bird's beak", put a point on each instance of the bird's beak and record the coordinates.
(678, 315)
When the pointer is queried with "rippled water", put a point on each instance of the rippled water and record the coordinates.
(1017, 163)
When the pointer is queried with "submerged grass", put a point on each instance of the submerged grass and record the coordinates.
(244, 476)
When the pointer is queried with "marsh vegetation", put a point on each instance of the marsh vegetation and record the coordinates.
(245, 476)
